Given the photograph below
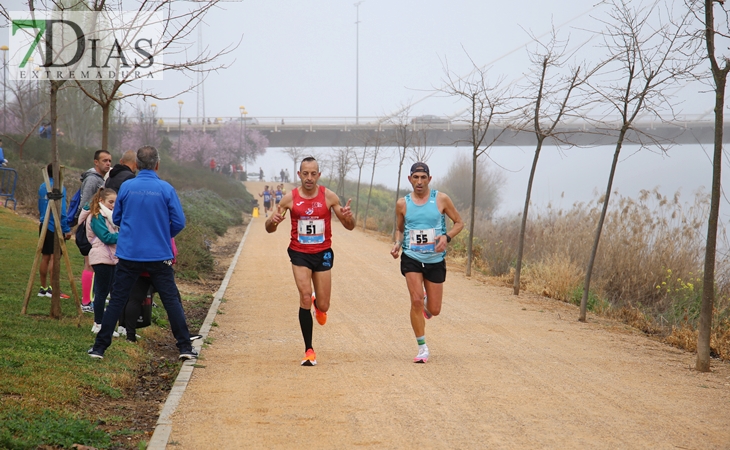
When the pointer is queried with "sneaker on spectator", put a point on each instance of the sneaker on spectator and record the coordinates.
(88, 308)
(97, 327)
(188, 355)
(42, 292)
(195, 337)
(95, 353)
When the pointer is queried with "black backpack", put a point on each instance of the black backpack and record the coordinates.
(82, 242)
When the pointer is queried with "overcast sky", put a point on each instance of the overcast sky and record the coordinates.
(298, 58)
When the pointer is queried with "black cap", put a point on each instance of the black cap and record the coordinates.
(420, 167)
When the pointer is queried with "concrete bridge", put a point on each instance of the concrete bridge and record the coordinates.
(432, 131)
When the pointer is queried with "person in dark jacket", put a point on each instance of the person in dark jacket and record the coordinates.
(123, 171)
(149, 214)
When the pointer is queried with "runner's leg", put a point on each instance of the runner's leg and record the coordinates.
(435, 292)
(414, 280)
(303, 280)
(323, 287)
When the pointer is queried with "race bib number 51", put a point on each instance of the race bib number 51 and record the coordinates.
(422, 241)
(311, 231)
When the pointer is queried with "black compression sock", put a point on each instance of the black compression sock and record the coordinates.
(306, 323)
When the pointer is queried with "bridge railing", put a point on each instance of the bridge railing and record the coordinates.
(345, 123)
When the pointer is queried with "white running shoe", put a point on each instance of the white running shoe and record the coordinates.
(122, 331)
(422, 356)
(97, 327)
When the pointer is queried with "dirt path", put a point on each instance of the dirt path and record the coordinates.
(504, 372)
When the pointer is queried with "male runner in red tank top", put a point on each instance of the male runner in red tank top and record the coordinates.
(310, 249)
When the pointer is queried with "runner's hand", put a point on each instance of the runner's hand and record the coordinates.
(441, 242)
(395, 251)
(278, 217)
(345, 210)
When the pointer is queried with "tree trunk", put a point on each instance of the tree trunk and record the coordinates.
(357, 196)
(470, 240)
(594, 250)
(370, 192)
(105, 126)
(57, 187)
(708, 282)
(523, 226)
(397, 195)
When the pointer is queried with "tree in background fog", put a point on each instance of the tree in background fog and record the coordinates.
(458, 185)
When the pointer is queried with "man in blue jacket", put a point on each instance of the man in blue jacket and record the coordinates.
(149, 214)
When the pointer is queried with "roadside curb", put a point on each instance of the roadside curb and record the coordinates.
(164, 423)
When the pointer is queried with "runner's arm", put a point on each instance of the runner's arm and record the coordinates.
(400, 226)
(447, 207)
(344, 213)
(273, 222)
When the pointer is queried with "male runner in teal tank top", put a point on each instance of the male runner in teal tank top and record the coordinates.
(421, 232)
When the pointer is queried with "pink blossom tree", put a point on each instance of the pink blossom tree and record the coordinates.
(196, 146)
(236, 145)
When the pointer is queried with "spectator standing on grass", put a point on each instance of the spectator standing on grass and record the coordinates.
(102, 235)
(3, 161)
(91, 181)
(149, 214)
(123, 171)
(49, 242)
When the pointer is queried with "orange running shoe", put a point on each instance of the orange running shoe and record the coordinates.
(321, 316)
(310, 358)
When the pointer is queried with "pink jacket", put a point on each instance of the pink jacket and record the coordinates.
(100, 253)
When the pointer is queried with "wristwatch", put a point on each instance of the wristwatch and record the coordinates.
(448, 239)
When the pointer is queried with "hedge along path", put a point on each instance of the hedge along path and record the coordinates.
(504, 372)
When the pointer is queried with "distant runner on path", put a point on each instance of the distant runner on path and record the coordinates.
(310, 250)
(421, 231)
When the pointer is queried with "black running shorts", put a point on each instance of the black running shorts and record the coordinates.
(316, 262)
(435, 273)
(267, 205)
(48, 241)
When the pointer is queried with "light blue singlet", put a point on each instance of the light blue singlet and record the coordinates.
(423, 224)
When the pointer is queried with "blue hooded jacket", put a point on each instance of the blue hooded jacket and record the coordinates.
(149, 214)
(43, 203)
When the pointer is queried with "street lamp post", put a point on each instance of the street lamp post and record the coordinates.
(153, 108)
(179, 127)
(242, 110)
(5, 49)
(357, 64)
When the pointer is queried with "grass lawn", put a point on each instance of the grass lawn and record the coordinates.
(44, 370)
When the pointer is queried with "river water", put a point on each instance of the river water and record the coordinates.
(563, 176)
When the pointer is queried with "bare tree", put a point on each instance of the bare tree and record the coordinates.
(550, 97)
(646, 55)
(457, 184)
(719, 79)
(377, 156)
(295, 153)
(485, 103)
(343, 164)
(360, 159)
(404, 137)
(178, 26)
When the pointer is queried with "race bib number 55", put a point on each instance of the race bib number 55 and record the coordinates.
(311, 231)
(422, 241)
